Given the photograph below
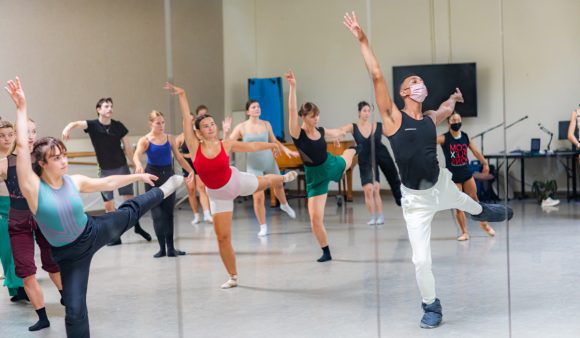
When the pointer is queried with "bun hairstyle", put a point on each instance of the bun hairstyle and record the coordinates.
(362, 104)
(200, 118)
(200, 108)
(43, 149)
(249, 103)
(308, 108)
(154, 114)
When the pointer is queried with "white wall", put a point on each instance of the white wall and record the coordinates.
(541, 51)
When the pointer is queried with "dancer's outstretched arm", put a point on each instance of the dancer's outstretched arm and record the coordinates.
(293, 123)
(446, 108)
(272, 138)
(110, 183)
(82, 124)
(390, 114)
(188, 133)
(28, 181)
(250, 147)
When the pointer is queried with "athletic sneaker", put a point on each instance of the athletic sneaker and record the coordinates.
(493, 213)
(380, 219)
(373, 221)
(196, 219)
(432, 316)
(549, 202)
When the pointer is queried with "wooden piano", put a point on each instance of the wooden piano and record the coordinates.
(295, 163)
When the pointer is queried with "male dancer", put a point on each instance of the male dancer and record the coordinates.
(425, 187)
(106, 136)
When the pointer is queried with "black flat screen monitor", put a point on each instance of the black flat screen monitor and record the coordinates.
(563, 130)
(441, 81)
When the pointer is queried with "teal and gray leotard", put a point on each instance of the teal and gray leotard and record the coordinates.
(260, 162)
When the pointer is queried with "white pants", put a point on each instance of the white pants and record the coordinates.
(240, 184)
(419, 207)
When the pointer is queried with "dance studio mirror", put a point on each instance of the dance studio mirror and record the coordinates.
(269, 71)
(541, 101)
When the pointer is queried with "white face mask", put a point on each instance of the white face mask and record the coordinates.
(418, 92)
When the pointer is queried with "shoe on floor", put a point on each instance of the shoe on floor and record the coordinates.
(196, 219)
(463, 237)
(488, 229)
(231, 283)
(549, 202)
(493, 213)
(433, 315)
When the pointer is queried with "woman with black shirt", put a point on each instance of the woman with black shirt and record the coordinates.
(455, 144)
(320, 167)
(367, 164)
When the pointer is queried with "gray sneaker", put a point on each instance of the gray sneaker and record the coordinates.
(494, 213)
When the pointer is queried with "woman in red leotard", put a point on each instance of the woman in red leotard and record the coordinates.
(224, 183)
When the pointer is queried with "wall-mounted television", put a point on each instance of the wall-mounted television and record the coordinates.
(441, 81)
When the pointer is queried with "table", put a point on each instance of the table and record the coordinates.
(567, 158)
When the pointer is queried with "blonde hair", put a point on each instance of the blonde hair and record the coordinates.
(155, 114)
(6, 124)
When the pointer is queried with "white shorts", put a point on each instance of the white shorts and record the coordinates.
(240, 184)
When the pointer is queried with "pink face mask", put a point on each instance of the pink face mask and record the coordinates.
(418, 92)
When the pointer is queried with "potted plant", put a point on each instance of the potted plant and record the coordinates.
(544, 190)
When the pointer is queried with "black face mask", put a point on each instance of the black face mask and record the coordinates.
(455, 126)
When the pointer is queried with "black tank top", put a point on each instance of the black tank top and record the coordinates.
(364, 157)
(312, 152)
(415, 149)
(455, 151)
(184, 150)
(17, 200)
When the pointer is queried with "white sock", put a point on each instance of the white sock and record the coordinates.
(196, 219)
(287, 209)
(290, 176)
(171, 185)
(231, 283)
(207, 216)
(263, 230)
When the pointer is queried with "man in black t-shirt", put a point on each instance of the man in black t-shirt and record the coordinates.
(107, 135)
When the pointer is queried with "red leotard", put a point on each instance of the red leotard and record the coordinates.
(213, 172)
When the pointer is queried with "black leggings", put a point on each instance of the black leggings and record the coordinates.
(162, 214)
(75, 258)
(385, 162)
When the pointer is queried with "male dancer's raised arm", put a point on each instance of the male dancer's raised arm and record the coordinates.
(390, 114)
